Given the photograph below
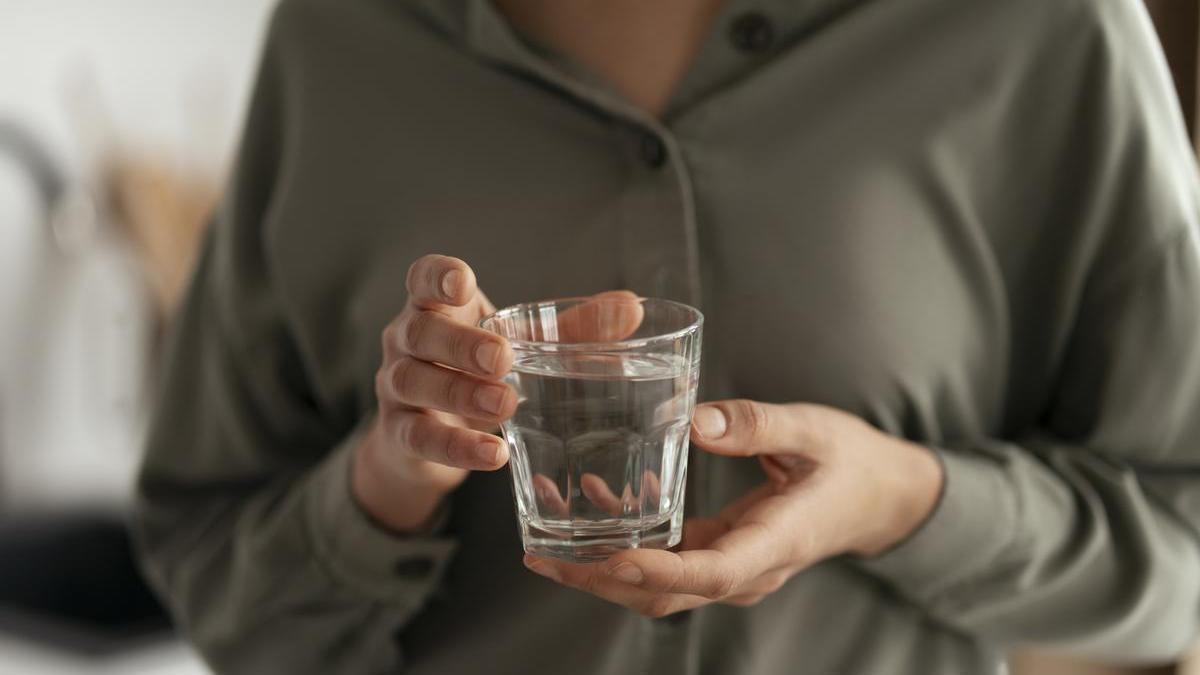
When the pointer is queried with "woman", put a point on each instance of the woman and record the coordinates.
(947, 254)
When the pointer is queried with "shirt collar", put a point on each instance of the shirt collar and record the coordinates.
(480, 28)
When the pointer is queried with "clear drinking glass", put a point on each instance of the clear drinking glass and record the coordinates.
(607, 387)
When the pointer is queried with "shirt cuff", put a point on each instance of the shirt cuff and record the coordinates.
(359, 554)
(969, 534)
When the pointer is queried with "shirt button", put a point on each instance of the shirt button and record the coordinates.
(413, 568)
(652, 150)
(751, 33)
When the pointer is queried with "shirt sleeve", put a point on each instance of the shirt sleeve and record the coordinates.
(244, 516)
(1083, 533)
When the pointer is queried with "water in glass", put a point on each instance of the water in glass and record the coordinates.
(599, 450)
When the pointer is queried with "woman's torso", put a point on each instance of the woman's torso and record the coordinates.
(858, 204)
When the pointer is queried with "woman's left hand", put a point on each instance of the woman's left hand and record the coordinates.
(834, 485)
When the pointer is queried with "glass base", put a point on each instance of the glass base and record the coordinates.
(583, 546)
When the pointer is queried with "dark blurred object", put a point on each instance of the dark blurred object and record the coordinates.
(1178, 24)
(68, 577)
(70, 212)
(72, 582)
(24, 147)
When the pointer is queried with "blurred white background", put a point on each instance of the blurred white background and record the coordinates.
(134, 107)
(173, 73)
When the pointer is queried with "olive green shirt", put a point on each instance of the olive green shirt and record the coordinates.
(971, 222)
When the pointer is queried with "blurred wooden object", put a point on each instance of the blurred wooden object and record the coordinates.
(161, 200)
(164, 211)
(1040, 663)
(1191, 664)
(1037, 663)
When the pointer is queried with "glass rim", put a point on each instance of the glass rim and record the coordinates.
(629, 343)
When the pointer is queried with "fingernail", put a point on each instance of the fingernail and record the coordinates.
(486, 355)
(543, 569)
(488, 452)
(451, 282)
(489, 399)
(709, 422)
(628, 573)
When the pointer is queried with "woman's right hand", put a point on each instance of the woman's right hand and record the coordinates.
(439, 394)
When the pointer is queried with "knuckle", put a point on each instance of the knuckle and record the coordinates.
(424, 439)
(459, 346)
(446, 449)
(677, 577)
(753, 417)
(722, 585)
(389, 338)
(810, 427)
(416, 324)
(384, 390)
(824, 431)
(589, 584)
(403, 376)
(656, 606)
(414, 436)
(459, 393)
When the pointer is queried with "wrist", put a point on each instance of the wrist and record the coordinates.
(913, 486)
(390, 496)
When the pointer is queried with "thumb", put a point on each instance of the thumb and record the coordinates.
(741, 428)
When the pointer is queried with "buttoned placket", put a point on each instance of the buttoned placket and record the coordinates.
(657, 219)
(658, 223)
(657, 234)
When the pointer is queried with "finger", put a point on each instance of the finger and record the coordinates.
(605, 317)
(591, 578)
(435, 280)
(550, 500)
(413, 382)
(742, 427)
(433, 336)
(598, 493)
(421, 435)
(737, 557)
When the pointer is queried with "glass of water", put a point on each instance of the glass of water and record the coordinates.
(607, 387)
